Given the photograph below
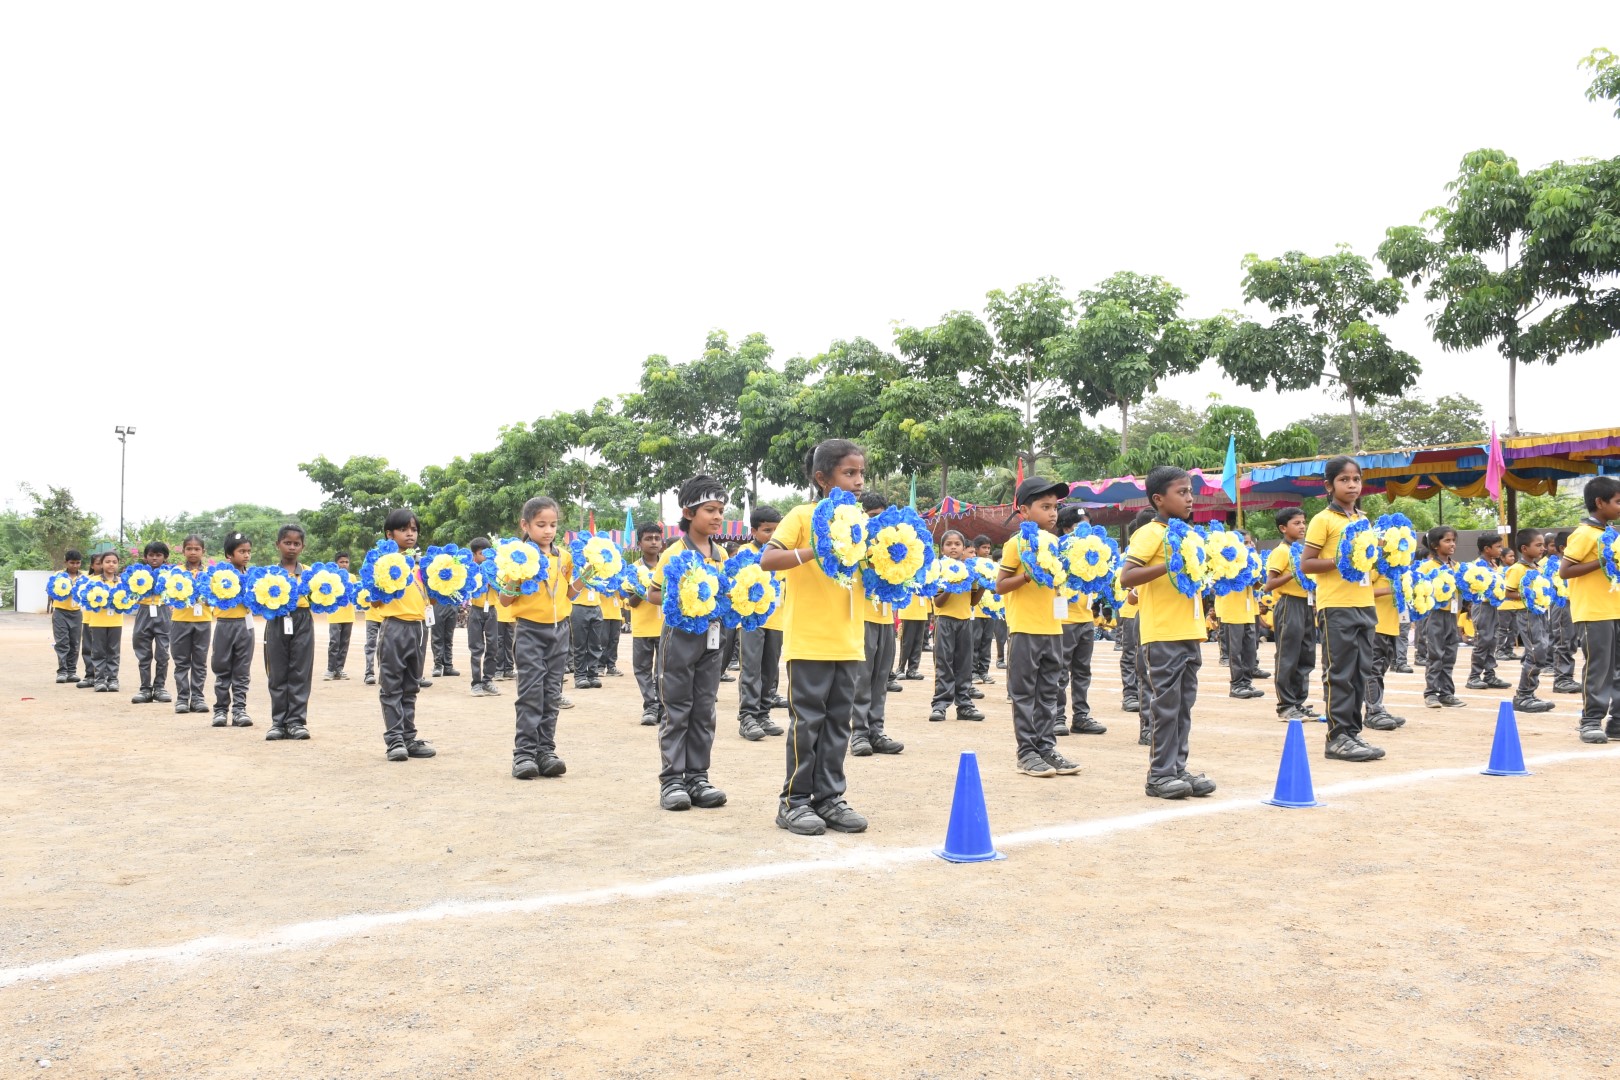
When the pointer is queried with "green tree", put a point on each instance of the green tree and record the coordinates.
(1413, 422)
(1326, 335)
(1129, 336)
(359, 494)
(58, 524)
(1021, 375)
(1160, 415)
(1605, 67)
(838, 395)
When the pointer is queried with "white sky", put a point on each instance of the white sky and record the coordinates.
(262, 232)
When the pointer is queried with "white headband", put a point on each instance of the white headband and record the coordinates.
(712, 495)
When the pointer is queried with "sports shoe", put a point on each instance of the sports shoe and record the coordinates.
(505, 676)
(1061, 731)
(564, 701)
(840, 817)
(975, 694)
(1452, 701)
(1130, 704)
(1532, 705)
(450, 672)
(370, 679)
(1477, 684)
(341, 676)
(550, 764)
(1350, 748)
(894, 687)
(1259, 674)
(85, 683)
(882, 744)
(478, 690)
(1294, 712)
(1167, 787)
(1246, 693)
(438, 672)
(1398, 721)
(182, 708)
(276, 734)
(859, 747)
(988, 679)
(1431, 701)
(142, 697)
(419, 748)
(800, 820)
(968, 712)
(398, 753)
(613, 672)
(197, 705)
(1201, 785)
(649, 719)
(1593, 734)
(1033, 764)
(1060, 764)
(1403, 669)
(1087, 726)
(748, 729)
(1225, 662)
(671, 796)
(62, 677)
(524, 769)
(423, 684)
(725, 676)
(1001, 665)
(768, 726)
(219, 719)
(1495, 683)
(241, 719)
(778, 701)
(101, 686)
(704, 795)
(161, 696)
(1144, 738)
(326, 676)
(1562, 686)
(936, 716)
(1380, 722)
(300, 732)
(734, 665)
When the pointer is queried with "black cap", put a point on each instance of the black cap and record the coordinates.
(1034, 487)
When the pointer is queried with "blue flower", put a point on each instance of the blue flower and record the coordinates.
(899, 556)
(691, 591)
(323, 580)
(747, 593)
(387, 572)
(1296, 551)
(1037, 551)
(1607, 555)
(839, 536)
(1181, 547)
(271, 592)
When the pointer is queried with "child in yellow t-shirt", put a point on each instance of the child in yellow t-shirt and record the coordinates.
(1441, 632)
(150, 636)
(1079, 645)
(646, 627)
(401, 643)
(870, 718)
(339, 628)
(1594, 610)
(759, 652)
(953, 640)
(1293, 618)
(1529, 545)
(232, 659)
(67, 621)
(104, 629)
(191, 628)
(483, 636)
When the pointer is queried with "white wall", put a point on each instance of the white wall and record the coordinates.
(31, 596)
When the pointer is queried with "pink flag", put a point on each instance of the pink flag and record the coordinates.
(1495, 468)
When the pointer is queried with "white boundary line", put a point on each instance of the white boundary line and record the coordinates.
(305, 934)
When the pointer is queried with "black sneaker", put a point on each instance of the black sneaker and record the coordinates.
(276, 734)
(859, 747)
(300, 732)
(1001, 665)
(882, 744)
(968, 712)
(613, 672)
(417, 748)
(1167, 787)
(1062, 729)
(778, 701)
(478, 690)
(839, 817)
(1562, 686)
(451, 673)
(241, 719)
(1350, 748)
(550, 764)
(85, 683)
(1246, 693)
(489, 689)
(219, 719)
(1130, 705)
(1477, 684)
(1495, 683)
(936, 716)
(748, 729)
(975, 694)
(1144, 738)
(800, 820)
(768, 726)
(524, 769)
(1201, 785)
(1404, 669)
(1593, 734)
(423, 684)
(161, 696)
(142, 697)
(438, 672)
(649, 719)
(182, 709)
(671, 796)
(398, 753)
(1259, 674)
(725, 676)
(1062, 765)
(1452, 701)
(62, 677)
(1532, 705)
(1033, 764)
(101, 686)
(894, 687)
(1087, 726)
(704, 795)
(341, 676)
(1431, 701)
(1381, 722)
(370, 679)
(197, 705)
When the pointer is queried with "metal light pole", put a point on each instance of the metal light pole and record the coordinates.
(123, 432)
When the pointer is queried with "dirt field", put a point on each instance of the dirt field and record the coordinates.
(313, 910)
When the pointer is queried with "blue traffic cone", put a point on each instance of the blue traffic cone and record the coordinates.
(1507, 756)
(967, 837)
(1294, 774)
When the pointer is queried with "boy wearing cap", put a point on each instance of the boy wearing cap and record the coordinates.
(1035, 615)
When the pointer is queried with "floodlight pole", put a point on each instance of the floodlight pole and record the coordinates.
(123, 432)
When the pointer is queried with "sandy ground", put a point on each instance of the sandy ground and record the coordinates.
(1428, 923)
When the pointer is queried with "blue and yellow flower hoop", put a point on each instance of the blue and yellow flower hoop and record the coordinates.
(1227, 560)
(326, 587)
(96, 596)
(691, 592)
(271, 592)
(1358, 551)
(1296, 553)
(59, 587)
(954, 576)
(446, 571)
(222, 587)
(520, 567)
(1090, 559)
(1397, 545)
(838, 530)
(1185, 557)
(387, 572)
(1038, 554)
(598, 562)
(140, 580)
(899, 553)
(748, 592)
(181, 589)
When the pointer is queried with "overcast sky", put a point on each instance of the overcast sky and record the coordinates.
(265, 232)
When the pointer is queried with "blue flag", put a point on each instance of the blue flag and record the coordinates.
(629, 529)
(1229, 470)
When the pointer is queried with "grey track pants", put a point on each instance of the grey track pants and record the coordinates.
(399, 666)
(872, 681)
(689, 679)
(443, 634)
(1562, 632)
(586, 625)
(188, 643)
(481, 643)
(759, 663)
(1172, 680)
(1129, 643)
(67, 631)
(151, 643)
(1295, 621)
(953, 663)
(1600, 641)
(1537, 654)
(106, 651)
(338, 636)
(1074, 684)
(541, 653)
(1347, 651)
(821, 701)
(983, 633)
(644, 664)
(909, 654)
(1483, 664)
(289, 665)
(1383, 660)
(1440, 634)
(372, 630)
(1242, 653)
(1034, 681)
(232, 664)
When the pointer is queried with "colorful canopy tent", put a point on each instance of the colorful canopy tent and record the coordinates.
(729, 530)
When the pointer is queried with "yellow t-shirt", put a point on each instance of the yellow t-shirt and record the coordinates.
(1515, 574)
(549, 604)
(647, 618)
(916, 611)
(823, 619)
(344, 614)
(1389, 617)
(106, 617)
(1165, 614)
(69, 604)
(503, 614)
(1281, 562)
(1590, 598)
(1332, 590)
(1029, 609)
(716, 558)
(956, 605)
(612, 611)
(240, 611)
(1455, 606)
(410, 606)
(192, 613)
(1237, 608)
